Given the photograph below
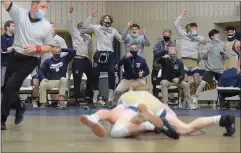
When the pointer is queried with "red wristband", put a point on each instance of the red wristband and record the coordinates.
(38, 49)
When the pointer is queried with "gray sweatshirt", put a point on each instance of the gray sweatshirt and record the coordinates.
(59, 42)
(80, 40)
(141, 41)
(104, 35)
(189, 43)
(213, 59)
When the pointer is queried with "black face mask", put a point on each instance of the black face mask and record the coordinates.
(166, 38)
(106, 24)
(231, 37)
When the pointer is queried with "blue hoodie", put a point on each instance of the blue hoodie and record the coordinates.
(53, 69)
(133, 66)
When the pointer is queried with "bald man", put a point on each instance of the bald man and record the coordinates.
(173, 75)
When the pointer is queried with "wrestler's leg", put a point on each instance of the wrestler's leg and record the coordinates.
(92, 121)
(123, 127)
(203, 122)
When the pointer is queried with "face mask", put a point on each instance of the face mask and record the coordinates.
(194, 32)
(231, 37)
(217, 38)
(12, 29)
(173, 58)
(134, 53)
(134, 35)
(56, 56)
(39, 14)
(166, 38)
(106, 24)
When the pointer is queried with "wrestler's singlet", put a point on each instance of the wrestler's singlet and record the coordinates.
(143, 97)
(234, 55)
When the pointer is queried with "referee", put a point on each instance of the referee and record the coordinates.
(33, 37)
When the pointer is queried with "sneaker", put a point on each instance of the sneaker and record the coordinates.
(192, 106)
(20, 113)
(62, 104)
(111, 95)
(228, 122)
(167, 130)
(95, 126)
(34, 103)
(149, 116)
(95, 97)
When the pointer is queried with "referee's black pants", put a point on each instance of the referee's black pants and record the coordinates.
(19, 67)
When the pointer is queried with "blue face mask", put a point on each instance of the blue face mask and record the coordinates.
(134, 35)
(39, 14)
(217, 38)
(134, 53)
(56, 56)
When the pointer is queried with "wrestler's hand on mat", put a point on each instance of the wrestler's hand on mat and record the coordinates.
(29, 48)
(94, 13)
(128, 55)
(129, 24)
(140, 74)
(166, 56)
(175, 80)
(144, 31)
(71, 9)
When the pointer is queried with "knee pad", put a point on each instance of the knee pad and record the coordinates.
(162, 113)
(202, 84)
(119, 131)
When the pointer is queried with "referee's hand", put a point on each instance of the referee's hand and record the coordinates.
(29, 48)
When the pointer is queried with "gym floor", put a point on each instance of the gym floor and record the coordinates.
(53, 130)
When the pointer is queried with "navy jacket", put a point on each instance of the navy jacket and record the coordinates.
(53, 69)
(6, 41)
(171, 70)
(133, 66)
(230, 78)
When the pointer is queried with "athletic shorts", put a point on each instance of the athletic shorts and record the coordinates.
(190, 66)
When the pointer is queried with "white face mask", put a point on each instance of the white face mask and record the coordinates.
(194, 32)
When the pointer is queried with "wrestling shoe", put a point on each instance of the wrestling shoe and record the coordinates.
(149, 116)
(20, 113)
(228, 122)
(92, 123)
(167, 130)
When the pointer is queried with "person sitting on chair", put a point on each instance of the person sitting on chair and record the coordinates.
(53, 75)
(173, 75)
(135, 68)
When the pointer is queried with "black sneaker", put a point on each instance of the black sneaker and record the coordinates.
(20, 114)
(167, 130)
(228, 122)
(3, 126)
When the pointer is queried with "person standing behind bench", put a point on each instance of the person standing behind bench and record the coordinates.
(33, 36)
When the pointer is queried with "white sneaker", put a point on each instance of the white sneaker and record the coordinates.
(95, 96)
(194, 100)
(192, 106)
(111, 95)
(34, 103)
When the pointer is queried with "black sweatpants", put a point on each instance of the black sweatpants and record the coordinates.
(19, 67)
(155, 81)
(80, 66)
(110, 68)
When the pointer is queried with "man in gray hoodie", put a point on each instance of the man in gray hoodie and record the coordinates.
(214, 54)
(135, 37)
(190, 43)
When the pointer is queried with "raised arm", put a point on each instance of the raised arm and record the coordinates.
(145, 40)
(125, 33)
(88, 23)
(71, 54)
(177, 24)
(6, 3)
(72, 29)
(12, 9)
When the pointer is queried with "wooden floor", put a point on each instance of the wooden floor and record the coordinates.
(66, 134)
